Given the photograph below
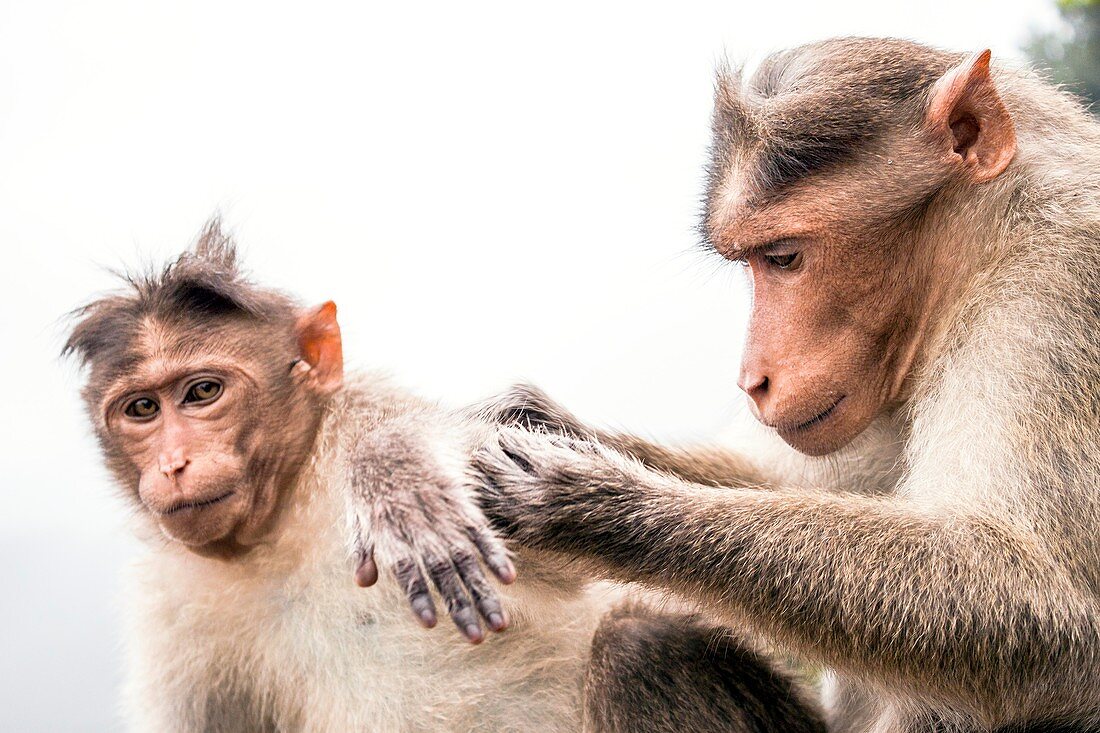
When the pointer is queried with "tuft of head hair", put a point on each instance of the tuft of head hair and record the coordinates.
(202, 283)
(818, 106)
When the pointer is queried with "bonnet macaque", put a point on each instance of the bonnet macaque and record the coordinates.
(922, 234)
(267, 484)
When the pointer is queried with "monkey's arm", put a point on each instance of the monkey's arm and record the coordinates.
(703, 464)
(527, 406)
(413, 509)
(961, 607)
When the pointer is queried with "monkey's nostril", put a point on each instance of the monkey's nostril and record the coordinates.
(172, 466)
(753, 385)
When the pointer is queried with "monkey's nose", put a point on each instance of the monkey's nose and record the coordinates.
(174, 462)
(754, 384)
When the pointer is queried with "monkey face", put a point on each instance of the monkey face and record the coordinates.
(212, 421)
(838, 295)
(831, 339)
(842, 222)
(187, 437)
(206, 392)
(846, 295)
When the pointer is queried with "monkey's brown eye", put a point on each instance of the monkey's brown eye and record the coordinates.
(789, 261)
(142, 408)
(203, 391)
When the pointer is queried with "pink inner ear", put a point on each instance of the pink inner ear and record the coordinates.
(966, 106)
(320, 345)
(965, 131)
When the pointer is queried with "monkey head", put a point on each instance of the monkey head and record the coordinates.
(839, 177)
(206, 393)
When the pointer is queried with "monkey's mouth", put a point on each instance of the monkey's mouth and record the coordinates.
(184, 506)
(813, 422)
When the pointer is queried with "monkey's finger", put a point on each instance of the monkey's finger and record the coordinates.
(485, 598)
(496, 497)
(534, 454)
(412, 581)
(494, 553)
(366, 571)
(458, 603)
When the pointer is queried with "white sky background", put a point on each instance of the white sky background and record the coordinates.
(489, 192)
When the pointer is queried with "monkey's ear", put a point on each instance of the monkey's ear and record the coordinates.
(969, 122)
(320, 347)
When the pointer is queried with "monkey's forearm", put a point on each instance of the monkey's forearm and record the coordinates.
(959, 607)
(528, 407)
(857, 582)
(707, 465)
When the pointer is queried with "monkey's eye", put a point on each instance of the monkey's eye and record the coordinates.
(788, 261)
(205, 391)
(142, 408)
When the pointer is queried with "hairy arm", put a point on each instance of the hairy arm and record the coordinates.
(703, 464)
(413, 510)
(526, 406)
(959, 607)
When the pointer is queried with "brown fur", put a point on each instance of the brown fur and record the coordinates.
(960, 592)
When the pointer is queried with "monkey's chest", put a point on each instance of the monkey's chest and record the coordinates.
(322, 654)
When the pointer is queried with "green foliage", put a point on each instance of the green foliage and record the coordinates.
(1071, 4)
(1072, 54)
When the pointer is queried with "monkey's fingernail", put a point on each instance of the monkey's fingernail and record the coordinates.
(427, 618)
(496, 622)
(507, 573)
(366, 575)
(474, 634)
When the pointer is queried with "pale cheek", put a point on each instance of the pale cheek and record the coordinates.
(216, 431)
(151, 485)
(140, 446)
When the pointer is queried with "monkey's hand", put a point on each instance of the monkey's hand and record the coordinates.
(545, 490)
(527, 406)
(413, 508)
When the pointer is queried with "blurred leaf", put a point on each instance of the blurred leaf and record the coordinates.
(1072, 53)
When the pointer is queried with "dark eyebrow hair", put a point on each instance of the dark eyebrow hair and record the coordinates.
(816, 108)
(202, 288)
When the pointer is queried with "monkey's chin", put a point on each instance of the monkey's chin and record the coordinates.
(203, 525)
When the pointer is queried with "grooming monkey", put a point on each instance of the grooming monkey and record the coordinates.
(922, 232)
(266, 485)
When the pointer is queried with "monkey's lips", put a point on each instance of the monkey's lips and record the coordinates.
(793, 430)
(195, 504)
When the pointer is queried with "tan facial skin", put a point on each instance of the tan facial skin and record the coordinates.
(190, 428)
(841, 293)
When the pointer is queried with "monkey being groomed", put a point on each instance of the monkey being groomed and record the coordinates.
(265, 485)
